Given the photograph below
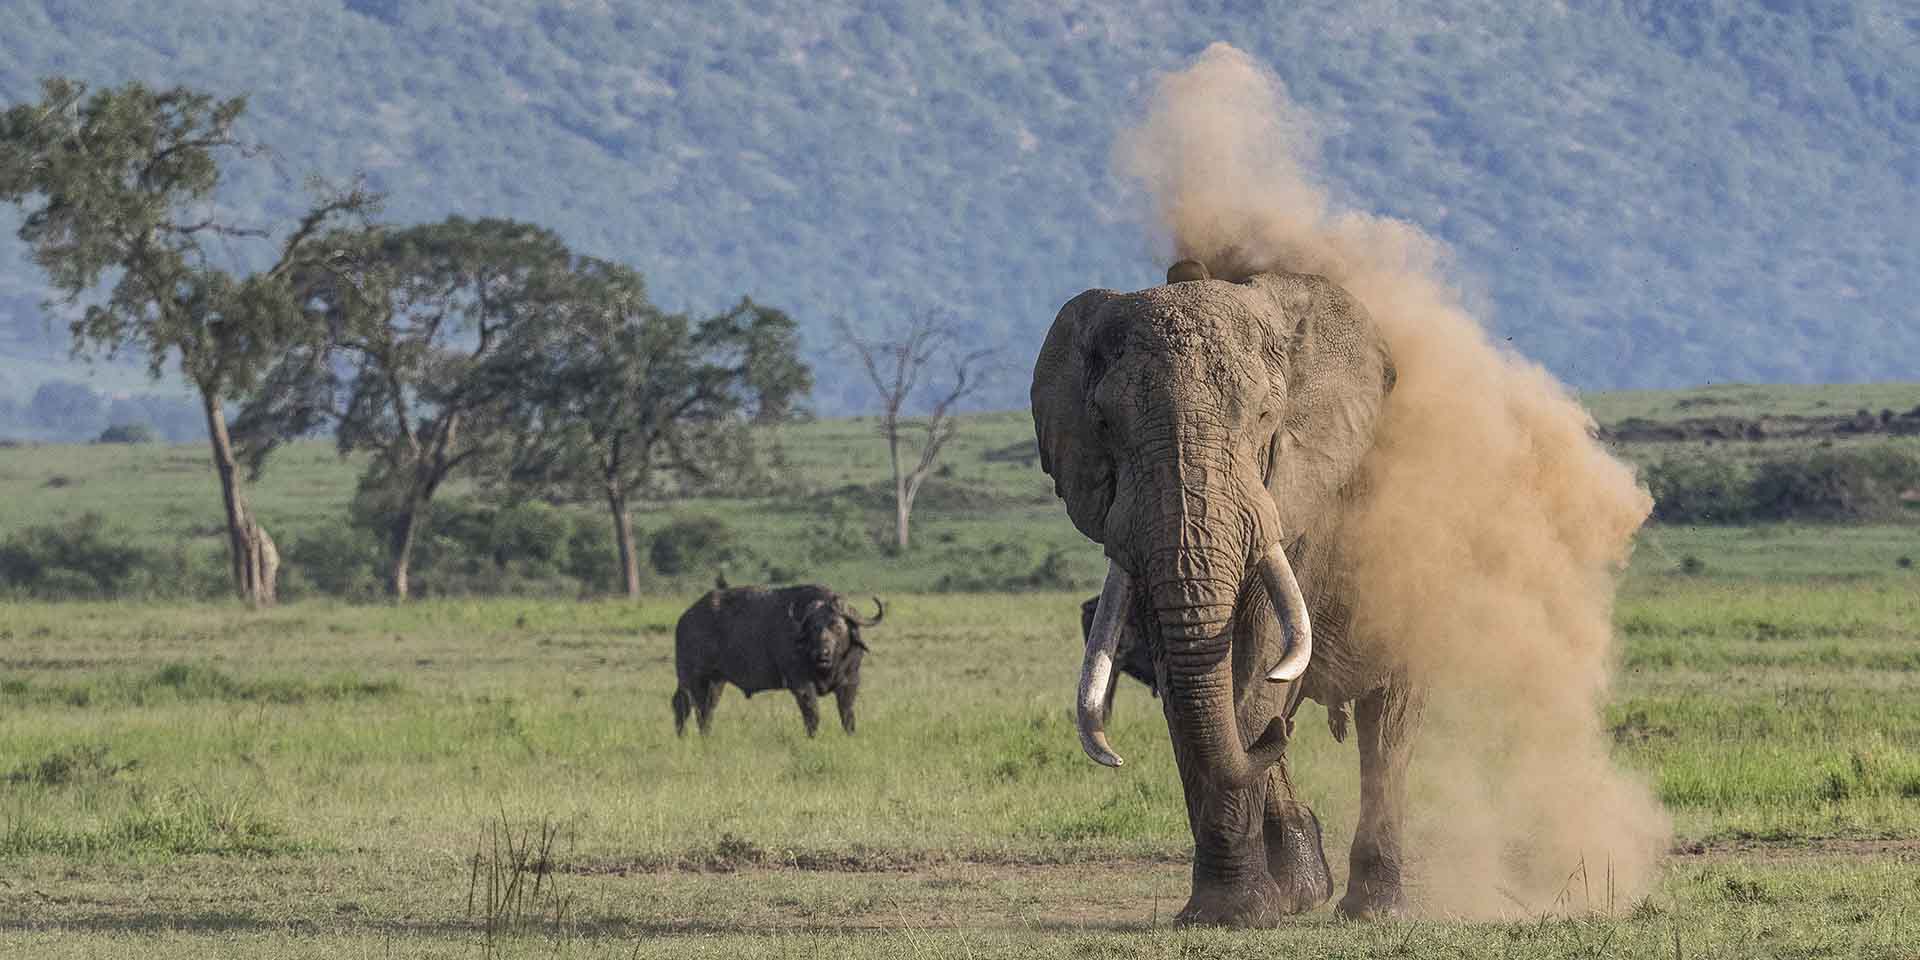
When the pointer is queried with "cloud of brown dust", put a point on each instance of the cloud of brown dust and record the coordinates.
(1488, 546)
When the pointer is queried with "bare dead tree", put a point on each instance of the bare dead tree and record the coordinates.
(903, 365)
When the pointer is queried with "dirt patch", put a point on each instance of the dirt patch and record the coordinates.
(739, 857)
(1753, 850)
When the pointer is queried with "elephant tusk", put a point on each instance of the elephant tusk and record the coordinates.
(1096, 672)
(1288, 604)
(1106, 699)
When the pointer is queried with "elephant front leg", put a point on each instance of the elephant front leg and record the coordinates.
(1384, 720)
(1226, 810)
(1231, 882)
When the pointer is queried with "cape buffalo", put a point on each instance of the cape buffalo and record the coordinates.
(804, 639)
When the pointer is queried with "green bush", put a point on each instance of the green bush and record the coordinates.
(591, 558)
(1700, 490)
(464, 547)
(1825, 484)
(336, 560)
(1850, 483)
(1007, 565)
(533, 538)
(126, 433)
(695, 546)
(69, 560)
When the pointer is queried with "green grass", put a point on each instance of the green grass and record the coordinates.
(313, 781)
(187, 780)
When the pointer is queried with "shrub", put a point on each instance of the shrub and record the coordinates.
(71, 559)
(1821, 484)
(126, 433)
(337, 560)
(467, 546)
(1006, 565)
(186, 569)
(696, 545)
(1856, 483)
(1699, 490)
(532, 538)
(590, 554)
(839, 527)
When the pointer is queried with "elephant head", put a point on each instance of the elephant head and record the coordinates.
(1197, 430)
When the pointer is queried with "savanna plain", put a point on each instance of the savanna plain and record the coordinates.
(499, 775)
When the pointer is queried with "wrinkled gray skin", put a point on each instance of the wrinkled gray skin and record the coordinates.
(805, 640)
(1135, 659)
(1188, 427)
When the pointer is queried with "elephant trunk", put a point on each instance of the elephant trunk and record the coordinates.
(1196, 544)
(1200, 700)
(1199, 564)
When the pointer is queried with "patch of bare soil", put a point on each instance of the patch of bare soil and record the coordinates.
(731, 856)
(617, 901)
(1900, 849)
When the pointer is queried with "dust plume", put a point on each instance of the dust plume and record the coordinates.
(1494, 527)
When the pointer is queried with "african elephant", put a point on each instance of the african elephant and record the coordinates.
(1208, 433)
(803, 639)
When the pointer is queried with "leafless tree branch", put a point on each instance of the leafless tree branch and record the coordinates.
(897, 364)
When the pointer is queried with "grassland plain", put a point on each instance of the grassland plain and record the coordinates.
(323, 780)
(193, 780)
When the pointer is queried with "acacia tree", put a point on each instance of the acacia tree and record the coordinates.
(902, 367)
(622, 399)
(120, 186)
(409, 369)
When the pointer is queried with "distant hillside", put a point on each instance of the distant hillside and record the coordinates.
(1646, 194)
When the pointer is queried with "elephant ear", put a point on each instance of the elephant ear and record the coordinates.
(1338, 376)
(1081, 471)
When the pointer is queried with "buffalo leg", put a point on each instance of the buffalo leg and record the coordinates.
(706, 696)
(843, 698)
(809, 709)
(682, 705)
(1384, 720)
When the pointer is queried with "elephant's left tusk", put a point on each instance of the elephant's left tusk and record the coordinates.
(1096, 671)
(1291, 608)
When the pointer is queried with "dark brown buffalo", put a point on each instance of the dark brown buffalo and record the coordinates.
(802, 639)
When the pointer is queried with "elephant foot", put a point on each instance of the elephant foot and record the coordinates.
(1256, 903)
(1372, 901)
(1296, 858)
(1373, 884)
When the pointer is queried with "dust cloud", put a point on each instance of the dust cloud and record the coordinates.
(1492, 533)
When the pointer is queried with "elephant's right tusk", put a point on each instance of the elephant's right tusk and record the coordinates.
(1291, 608)
(1096, 672)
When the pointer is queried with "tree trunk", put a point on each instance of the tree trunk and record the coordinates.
(623, 539)
(400, 533)
(251, 555)
(901, 507)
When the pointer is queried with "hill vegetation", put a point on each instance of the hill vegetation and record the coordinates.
(140, 520)
(1641, 194)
